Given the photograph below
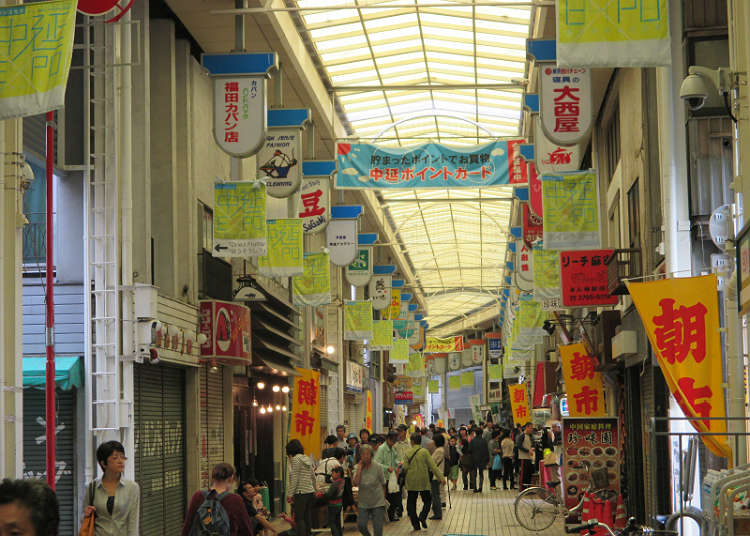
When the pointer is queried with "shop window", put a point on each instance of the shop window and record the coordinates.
(611, 142)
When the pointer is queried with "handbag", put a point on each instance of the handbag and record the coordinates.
(402, 474)
(87, 526)
(497, 463)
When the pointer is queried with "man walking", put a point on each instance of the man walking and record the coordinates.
(387, 458)
(218, 499)
(525, 445)
(401, 447)
(418, 466)
(341, 437)
(480, 456)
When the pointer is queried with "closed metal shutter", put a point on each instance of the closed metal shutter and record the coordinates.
(353, 415)
(324, 425)
(34, 449)
(647, 411)
(634, 444)
(160, 447)
(212, 422)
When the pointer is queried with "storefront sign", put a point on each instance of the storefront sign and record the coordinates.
(517, 171)
(612, 33)
(226, 326)
(393, 311)
(313, 287)
(681, 317)
(359, 272)
(565, 106)
(454, 382)
(535, 190)
(584, 278)
(341, 241)
(595, 441)
(314, 204)
(546, 277)
(533, 227)
(382, 338)
(278, 166)
(436, 345)
(551, 157)
(358, 323)
(402, 388)
(305, 424)
(37, 49)
(399, 352)
(583, 383)
(380, 291)
(355, 376)
(363, 165)
(571, 210)
(285, 249)
(368, 410)
(519, 402)
(240, 114)
(239, 219)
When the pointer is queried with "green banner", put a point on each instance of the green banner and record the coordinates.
(495, 372)
(546, 274)
(454, 382)
(416, 364)
(358, 323)
(285, 249)
(433, 386)
(399, 352)
(418, 389)
(314, 286)
(382, 338)
(467, 379)
(239, 219)
(571, 211)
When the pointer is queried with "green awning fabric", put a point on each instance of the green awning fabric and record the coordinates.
(68, 372)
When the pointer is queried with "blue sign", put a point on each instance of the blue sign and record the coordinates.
(495, 348)
(363, 165)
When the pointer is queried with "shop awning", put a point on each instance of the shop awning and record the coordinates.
(68, 372)
(272, 366)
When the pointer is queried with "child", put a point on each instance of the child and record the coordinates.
(333, 495)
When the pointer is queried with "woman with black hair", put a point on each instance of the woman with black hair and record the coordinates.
(364, 439)
(28, 507)
(301, 491)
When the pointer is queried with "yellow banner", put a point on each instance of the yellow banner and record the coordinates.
(467, 379)
(37, 44)
(285, 249)
(571, 211)
(394, 309)
(583, 384)
(519, 403)
(433, 387)
(358, 323)
(436, 345)
(416, 364)
(239, 219)
(399, 352)
(314, 286)
(418, 390)
(382, 337)
(681, 317)
(546, 273)
(454, 382)
(495, 372)
(305, 424)
(368, 411)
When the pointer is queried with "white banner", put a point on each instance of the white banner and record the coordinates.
(359, 272)
(341, 241)
(467, 358)
(454, 361)
(278, 166)
(380, 291)
(551, 157)
(565, 103)
(477, 354)
(239, 114)
(314, 204)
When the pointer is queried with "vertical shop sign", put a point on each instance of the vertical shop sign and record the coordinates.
(314, 204)
(594, 441)
(313, 287)
(402, 388)
(278, 166)
(226, 326)
(519, 402)
(305, 424)
(454, 360)
(535, 190)
(517, 173)
(681, 317)
(341, 241)
(394, 309)
(565, 103)
(584, 277)
(552, 157)
(368, 410)
(583, 383)
(285, 249)
(355, 376)
(240, 114)
(525, 264)
(533, 227)
(239, 219)
(494, 347)
(359, 272)
(380, 291)
(571, 210)
(358, 323)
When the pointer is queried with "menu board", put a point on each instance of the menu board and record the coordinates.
(595, 441)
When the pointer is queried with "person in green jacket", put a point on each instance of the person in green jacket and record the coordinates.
(419, 466)
(387, 457)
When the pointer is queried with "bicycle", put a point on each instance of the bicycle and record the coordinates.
(630, 528)
(537, 507)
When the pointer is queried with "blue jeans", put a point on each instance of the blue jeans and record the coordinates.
(378, 519)
(334, 519)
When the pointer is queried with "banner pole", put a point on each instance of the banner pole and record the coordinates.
(49, 386)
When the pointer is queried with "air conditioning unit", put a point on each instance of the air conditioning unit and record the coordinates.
(624, 344)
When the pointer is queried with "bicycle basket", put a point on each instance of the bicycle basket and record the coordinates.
(600, 478)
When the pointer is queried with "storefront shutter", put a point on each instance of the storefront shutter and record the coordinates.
(647, 411)
(353, 414)
(212, 422)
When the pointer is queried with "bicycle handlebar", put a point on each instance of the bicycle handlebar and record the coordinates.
(583, 526)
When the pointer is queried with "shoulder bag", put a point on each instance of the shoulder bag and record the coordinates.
(402, 474)
(87, 526)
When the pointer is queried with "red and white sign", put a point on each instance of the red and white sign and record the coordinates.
(533, 228)
(535, 190)
(524, 261)
(565, 104)
(551, 157)
(240, 114)
(584, 278)
(516, 163)
(100, 7)
(227, 327)
(314, 204)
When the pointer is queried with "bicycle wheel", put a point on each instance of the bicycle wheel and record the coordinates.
(536, 509)
(689, 521)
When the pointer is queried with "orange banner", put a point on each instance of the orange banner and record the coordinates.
(368, 412)
(519, 403)
(305, 424)
(436, 345)
(681, 317)
(583, 383)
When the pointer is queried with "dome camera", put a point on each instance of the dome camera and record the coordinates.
(704, 87)
(694, 91)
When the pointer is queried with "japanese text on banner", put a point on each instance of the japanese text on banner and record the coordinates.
(681, 317)
(436, 345)
(305, 424)
(584, 277)
(285, 249)
(239, 219)
(382, 338)
(393, 311)
(519, 402)
(582, 382)
(358, 323)
(313, 287)
(571, 210)
(399, 352)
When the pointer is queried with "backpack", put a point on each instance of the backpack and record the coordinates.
(211, 519)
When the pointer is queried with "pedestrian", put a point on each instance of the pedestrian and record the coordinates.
(507, 447)
(328, 446)
(436, 484)
(418, 464)
(216, 510)
(453, 459)
(28, 508)
(480, 456)
(387, 458)
(496, 463)
(249, 491)
(333, 497)
(114, 500)
(402, 446)
(348, 502)
(467, 463)
(369, 478)
(364, 439)
(336, 457)
(525, 445)
(301, 490)
(341, 437)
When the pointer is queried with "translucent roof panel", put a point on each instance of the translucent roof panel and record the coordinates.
(447, 71)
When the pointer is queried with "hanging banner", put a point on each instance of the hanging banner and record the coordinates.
(418, 390)
(355, 376)
(305, 424)
(368, 410)
(341, 241)
(399, 352)
(285, 249)
(402, 390)
(239, 219)
(551, 157)
(35, 57)
(533, 227)
(583, 383)
(495, 372)
(436, 345)
(519, 403)
(433, 387)
(240, 114)
(359, 272)
(612, 33)
(454, 382)
(535, 191)
(403, 329)
(517, 171)
(430, 165)
(454, 360)
(525, 266)
(681, 317)
(417, 346)
(571, 210)
(313, 287)
(358, 323)
(393, 311)
(278, 167)
(314, 204)
(565, 107)
(466, 356)
(547, 277)
(380, 291)
(416, 365)
(382, 335)
(584, 277)
(467, 379)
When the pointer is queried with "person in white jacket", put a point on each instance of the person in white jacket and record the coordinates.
(301, 490)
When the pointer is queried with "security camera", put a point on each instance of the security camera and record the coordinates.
(703, 85)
